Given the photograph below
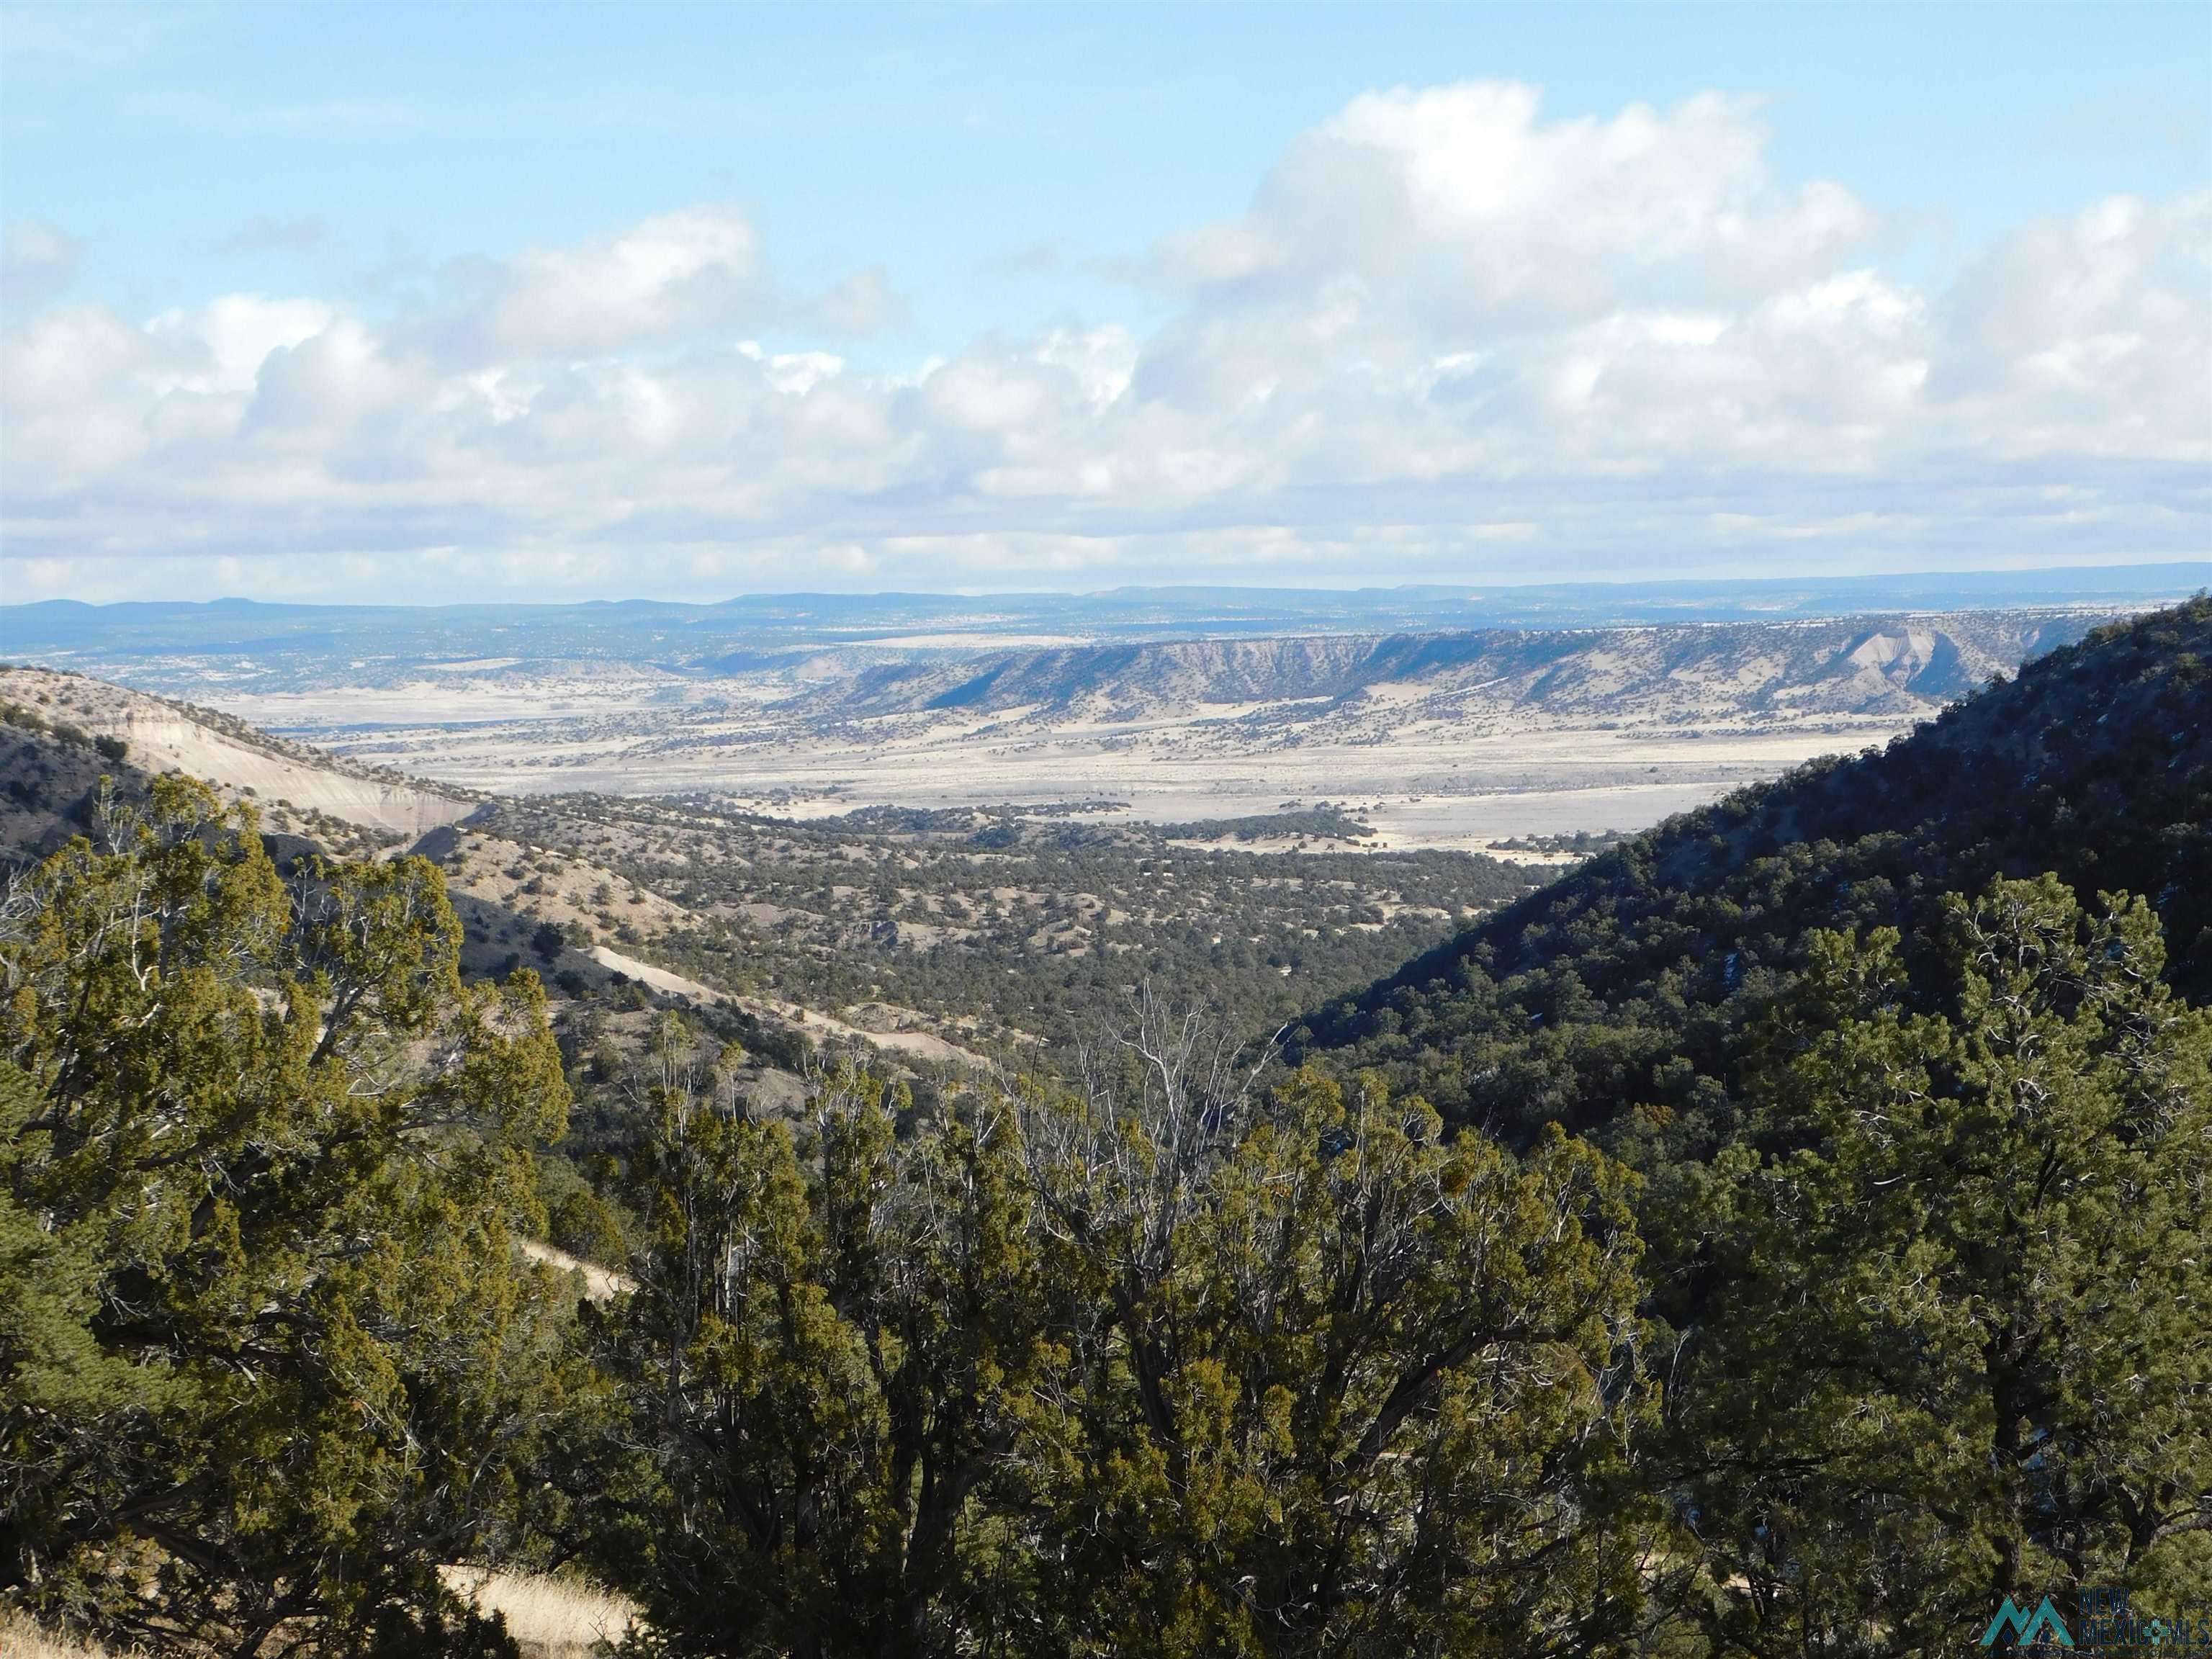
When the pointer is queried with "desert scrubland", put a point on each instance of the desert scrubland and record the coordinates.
(1436, 740)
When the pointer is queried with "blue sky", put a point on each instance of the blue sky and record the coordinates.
(985, 296)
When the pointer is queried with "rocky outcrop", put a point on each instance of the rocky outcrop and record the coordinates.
(1888, 665)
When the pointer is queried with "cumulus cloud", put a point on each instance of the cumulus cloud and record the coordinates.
(1033, 259)
(2109, 309)
(1460, 208)
(1448, 337)
(673, 274)
(864, 303)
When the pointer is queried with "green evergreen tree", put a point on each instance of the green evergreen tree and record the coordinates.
(1161, 1370)
(1336, 1384)
(1953, 1345)
(834, 1342)
(267, 1354)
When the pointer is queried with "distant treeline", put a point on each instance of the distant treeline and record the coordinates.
(1313, 822)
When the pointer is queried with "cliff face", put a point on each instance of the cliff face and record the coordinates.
(1873, 665)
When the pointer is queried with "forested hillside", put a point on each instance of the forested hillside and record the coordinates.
(1910, 1051)
(1786, 1234)
(1000, 929)
(1617, 999)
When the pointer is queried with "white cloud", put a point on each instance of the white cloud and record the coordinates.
(2109, 310)
(1449, 337)
(220, 347)
(796, 371)
(668, 276)
(1461, 206)
(863, 303)
(265, 234)
(77, 43)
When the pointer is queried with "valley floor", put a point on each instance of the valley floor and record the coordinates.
(1423, 779)
(1455, 740)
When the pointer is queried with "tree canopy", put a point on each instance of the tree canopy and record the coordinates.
(1166, 1368)
(269, 1354)
(1954, 1287)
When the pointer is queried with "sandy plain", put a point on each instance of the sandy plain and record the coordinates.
(1425, 774)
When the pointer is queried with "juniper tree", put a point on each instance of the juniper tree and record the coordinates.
(1174, 1368)
(1335, 1382)
(267, 1354)
(1953, 1346)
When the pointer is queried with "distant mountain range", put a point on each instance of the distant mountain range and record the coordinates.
(276, 643)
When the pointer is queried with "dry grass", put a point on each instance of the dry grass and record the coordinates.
(21, 1639)
(551, 1618)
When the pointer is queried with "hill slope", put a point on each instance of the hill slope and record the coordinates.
(301, 783)
(1613, 1000)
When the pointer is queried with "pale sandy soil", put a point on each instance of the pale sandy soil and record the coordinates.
(160, 737)
(661, 979)
(977, 641)
(1435, 776)
(554, 887)
(600, 1284)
